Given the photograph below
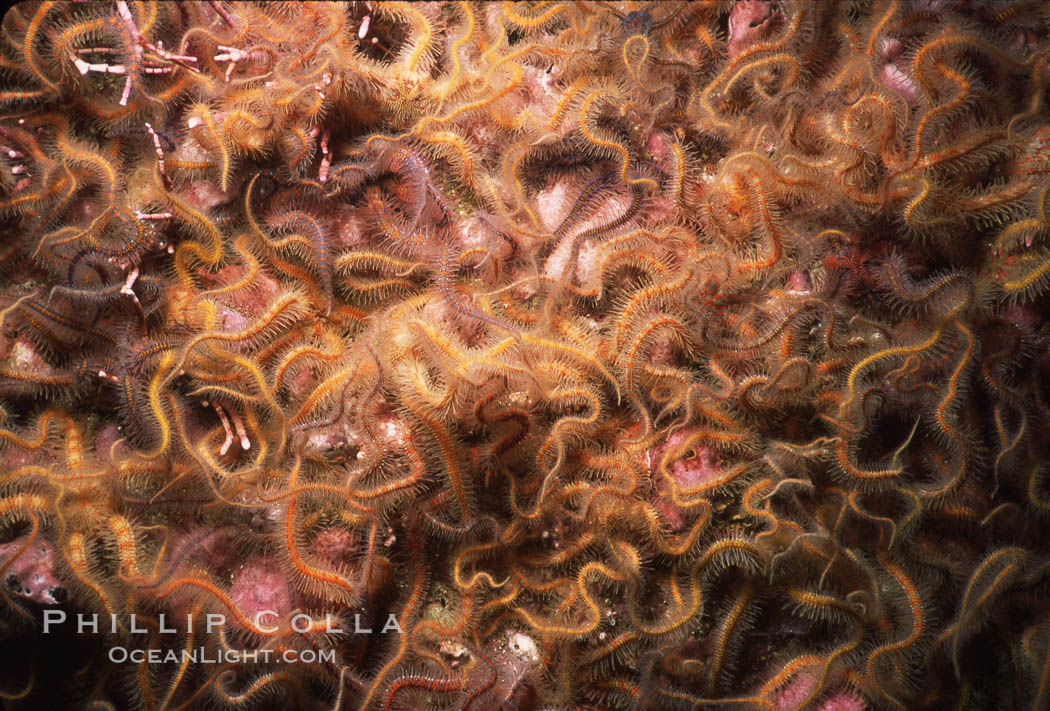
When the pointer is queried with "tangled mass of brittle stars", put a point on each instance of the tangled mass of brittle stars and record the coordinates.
(627, 356)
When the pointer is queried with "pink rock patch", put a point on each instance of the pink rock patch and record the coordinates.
(23, 357)
(795, 692)
(843, 701)
(659, 145)
(393, 429)
(252, 300)
(701, 468)
(31, 574)
(260, 585)
(1024, 317)
(891, 48)
(662, 352)
(232, 321)
(798, 282)
(332, 545)
(205, 196)
(302, 383)
(661, 210)
(473, 233)
(219, 548)
(105, 438)
(558, 267)
(691, 472)
(349, 226)
(587, 261)
(688, 473)
(802, 684)
(554, 203)
(901, 81)
(750, 21)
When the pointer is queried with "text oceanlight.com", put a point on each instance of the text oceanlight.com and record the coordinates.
(200, 655)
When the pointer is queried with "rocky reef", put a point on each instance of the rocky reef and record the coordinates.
(522, 356)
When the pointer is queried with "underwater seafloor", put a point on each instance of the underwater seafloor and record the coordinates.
(590, 356)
